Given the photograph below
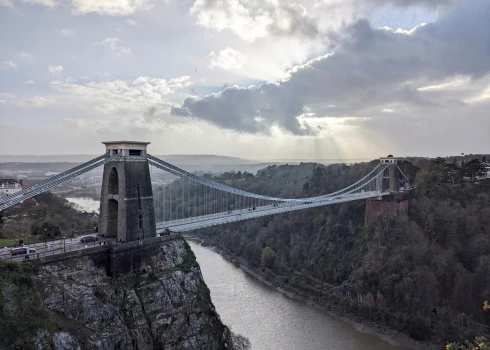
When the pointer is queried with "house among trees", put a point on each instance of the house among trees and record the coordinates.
(9, 186)
(95, 218)
(484, 172)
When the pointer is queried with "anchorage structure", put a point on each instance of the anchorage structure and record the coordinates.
(186, 201)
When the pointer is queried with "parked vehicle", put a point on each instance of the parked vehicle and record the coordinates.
(21, 250)
(86, 239)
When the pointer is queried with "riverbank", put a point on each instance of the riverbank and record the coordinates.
(388, 335)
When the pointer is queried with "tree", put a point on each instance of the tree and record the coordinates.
(47, 228)
(267, 257)
(1, 224)
(427, 178)
(472, 168)
(480, 343)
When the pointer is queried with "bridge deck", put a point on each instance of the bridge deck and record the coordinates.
(194, 223)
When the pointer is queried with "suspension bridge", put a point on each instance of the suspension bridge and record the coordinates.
(186, 201)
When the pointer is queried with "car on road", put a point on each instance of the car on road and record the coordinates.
(21, 250)
(86, 239)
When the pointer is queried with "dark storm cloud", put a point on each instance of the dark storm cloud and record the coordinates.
(369, 68)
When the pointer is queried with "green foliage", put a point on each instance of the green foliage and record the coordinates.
(189, 260)
(47, 228)
(1, 224)
(424, 274)
(419, 329)
(21, 311)
(52, 217)
(480, 343)
(240, 342)
(267, 257)
(428, 179)
(8, 242)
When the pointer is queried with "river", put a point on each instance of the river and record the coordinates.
(85, 203)
(269, 319)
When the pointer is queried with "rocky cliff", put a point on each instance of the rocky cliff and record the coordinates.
(75, 305)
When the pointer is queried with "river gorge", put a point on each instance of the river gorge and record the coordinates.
(269, 319)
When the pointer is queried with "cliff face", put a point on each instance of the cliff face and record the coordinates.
(166, 306)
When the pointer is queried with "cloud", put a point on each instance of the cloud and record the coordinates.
(6, 3)
(133, 124)
(30, 82)
(227, 59)
(111, 44)
(251, 19)
(110, 7)
(14, 63)
(23, 57)
(35, 101)
(121, 96)
(101, 7)
(55, 70)
(8, 65)
(368, 71)
(133, 23)
(48, 3)
(67, 32)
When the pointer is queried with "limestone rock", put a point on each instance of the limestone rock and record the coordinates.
(167, 306)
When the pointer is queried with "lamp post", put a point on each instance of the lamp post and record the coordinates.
(64, 244)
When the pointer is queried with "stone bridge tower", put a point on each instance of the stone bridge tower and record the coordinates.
(396, 204)
(390, 177)
(126, 206)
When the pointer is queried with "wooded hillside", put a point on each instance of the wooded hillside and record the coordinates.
(425, 274)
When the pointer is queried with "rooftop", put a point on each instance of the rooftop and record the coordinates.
(125, 142)
(8, 181)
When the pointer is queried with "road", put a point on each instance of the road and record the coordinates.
(198, 222)
(55, 247)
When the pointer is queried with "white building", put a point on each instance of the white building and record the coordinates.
(9, 186)
(484, 173)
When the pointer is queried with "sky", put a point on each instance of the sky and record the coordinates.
(257, 79)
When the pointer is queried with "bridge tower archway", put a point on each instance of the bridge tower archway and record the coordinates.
(112, 218)
(113, 184)
(126, 197)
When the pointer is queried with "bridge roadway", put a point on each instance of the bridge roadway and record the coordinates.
(189, 224)
(55, 247)
(194, 223)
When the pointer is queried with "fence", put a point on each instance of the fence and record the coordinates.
(66, 245)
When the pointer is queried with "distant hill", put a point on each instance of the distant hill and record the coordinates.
(80, 158)
(39, 165)
(35, 165)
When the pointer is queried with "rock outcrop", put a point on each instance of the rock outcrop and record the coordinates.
(165, 306)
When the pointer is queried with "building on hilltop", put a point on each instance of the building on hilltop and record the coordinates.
(9, 186)
(484, 172)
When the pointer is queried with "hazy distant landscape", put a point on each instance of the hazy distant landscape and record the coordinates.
(209, 163)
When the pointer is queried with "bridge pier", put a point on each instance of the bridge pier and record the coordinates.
(126, 206)
(388, 207)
